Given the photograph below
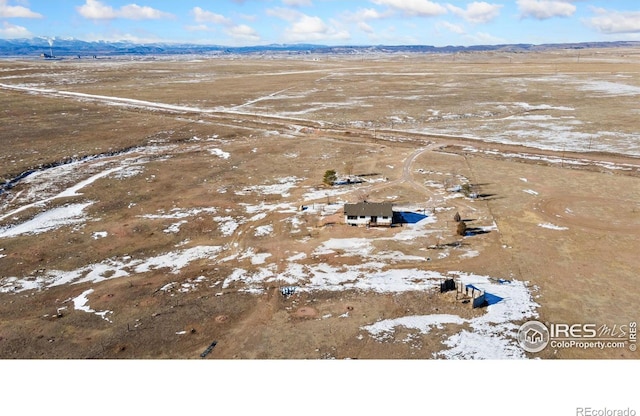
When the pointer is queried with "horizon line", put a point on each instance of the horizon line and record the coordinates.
(318, 45)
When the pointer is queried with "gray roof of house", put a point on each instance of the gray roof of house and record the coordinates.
(369, 209)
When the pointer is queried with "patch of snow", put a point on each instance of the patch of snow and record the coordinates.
(316, 194)
(470, 254)
(530, 192)
(220, 153)
(552, 227)
(176, 261)
(228, 225)
(99, 234)
(260, 258)
(252, 282)
(282, 188)
(351, 246)
(43, 183)
(263, 207)
(80, 304)
(493, 334)
(263, 230)
(73, 191)
(383, 330)
(175, 227)
(610, 88)
(178, 213)
(529, 107)
(298, 256)
(49, 220)
(129, 172)
(258, 217)
(413, 231)
(111, 269)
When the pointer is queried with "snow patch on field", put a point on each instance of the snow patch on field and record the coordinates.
(263, 230)
(49, 220)
(610, 88)
(184, 287)
(228, 225)
(282, 187)
(492, 336)
(552, 227)
(111, 269)
(220, 153)
(180, 213)
(99, 234)
(382, 330)
(80, 304)
(175, 227)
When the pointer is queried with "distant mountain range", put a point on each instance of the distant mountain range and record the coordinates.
(73, 48)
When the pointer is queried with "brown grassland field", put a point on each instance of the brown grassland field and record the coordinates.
(222, 153)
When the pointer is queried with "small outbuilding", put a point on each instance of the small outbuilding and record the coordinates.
(369, 214)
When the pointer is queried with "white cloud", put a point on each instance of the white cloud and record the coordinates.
(424, 8)
(97, 10)
(238, 32)
(363, 15)
(451, 27)
(198, 28)
(204, 16)
(306, 28)
(284, 13)
(243, 32)
(135, 12)
(365, 27)
(312, 28)
(483, 38)
(477, 12)
(545, 9)
(612, 22)
(16, 11)
(10, 31)
(297, 3)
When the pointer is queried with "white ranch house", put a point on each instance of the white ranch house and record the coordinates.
(368, 214)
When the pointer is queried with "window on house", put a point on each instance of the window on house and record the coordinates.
(352, 217)
(362, 217)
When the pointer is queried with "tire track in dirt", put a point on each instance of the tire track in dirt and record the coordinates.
(579, 212)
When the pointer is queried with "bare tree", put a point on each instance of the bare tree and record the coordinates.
(348, 167)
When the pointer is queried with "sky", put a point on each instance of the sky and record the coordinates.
(326, 22)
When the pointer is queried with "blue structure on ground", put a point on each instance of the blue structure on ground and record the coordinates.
(491, 299)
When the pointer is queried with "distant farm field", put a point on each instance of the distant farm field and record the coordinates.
(150, 207)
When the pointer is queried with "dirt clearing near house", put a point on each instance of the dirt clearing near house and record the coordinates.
(152, 207)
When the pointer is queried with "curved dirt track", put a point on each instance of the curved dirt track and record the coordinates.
(592, 213)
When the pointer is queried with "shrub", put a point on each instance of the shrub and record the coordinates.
(462, 228)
